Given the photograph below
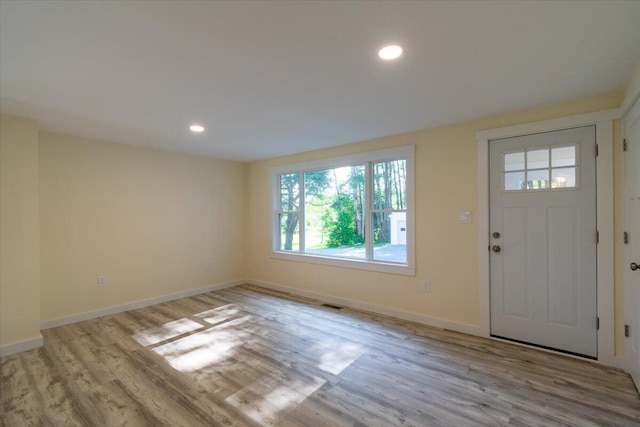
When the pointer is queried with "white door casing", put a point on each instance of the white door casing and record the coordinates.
(604, 138)
(543, 226)
(632, 249)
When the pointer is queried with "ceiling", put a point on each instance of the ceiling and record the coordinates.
(274, 78)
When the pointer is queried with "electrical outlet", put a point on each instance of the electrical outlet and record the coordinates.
(426, 286)
(102, 280)
(209, 265)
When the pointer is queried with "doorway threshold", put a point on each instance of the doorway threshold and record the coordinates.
(545, 348)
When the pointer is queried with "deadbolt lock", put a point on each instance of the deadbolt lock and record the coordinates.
(496, 235)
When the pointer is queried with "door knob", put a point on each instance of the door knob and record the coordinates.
(496, 248)
(634, 266)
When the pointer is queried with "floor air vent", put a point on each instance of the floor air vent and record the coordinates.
(335, 307)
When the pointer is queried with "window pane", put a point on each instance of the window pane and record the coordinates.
(514, 161)
(514, 181)
(563, 178)
(390, 236)
(390, 188)
(538, 159)
(289, 192)
(318, 195)
(289, 232)
(563, 156)
(538, 180)
(334, 212)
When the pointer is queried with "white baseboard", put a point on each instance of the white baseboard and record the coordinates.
(359, 305)
(52, 323)
(619, 362)
(22, 346)
(627, 364)
(636, 381)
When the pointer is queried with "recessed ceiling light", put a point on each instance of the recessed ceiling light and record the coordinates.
(390, 52)
(196, 128)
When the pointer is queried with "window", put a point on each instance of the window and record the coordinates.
(354, 211)
(549, 168)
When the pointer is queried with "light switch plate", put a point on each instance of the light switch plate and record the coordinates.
(465, 217)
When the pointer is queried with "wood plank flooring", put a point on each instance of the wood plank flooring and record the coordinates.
(246, 356)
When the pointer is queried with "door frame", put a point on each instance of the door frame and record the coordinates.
(603, 120)
(630, 102)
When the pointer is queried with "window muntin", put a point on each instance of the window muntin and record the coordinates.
(550, 168)
(354, 210)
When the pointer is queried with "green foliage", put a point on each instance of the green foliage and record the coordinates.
(334, 203)
(315, 182)
(342, 226)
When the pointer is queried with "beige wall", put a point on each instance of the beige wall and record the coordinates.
(151, 220)
(446, 252)
(19, 233)
(148, 220)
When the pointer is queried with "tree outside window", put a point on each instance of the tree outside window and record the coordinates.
(356, 211)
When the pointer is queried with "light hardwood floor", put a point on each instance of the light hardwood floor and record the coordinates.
(247, 356)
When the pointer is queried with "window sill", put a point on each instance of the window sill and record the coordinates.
(380, 267)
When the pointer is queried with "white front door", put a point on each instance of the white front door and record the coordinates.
(632, 282)
(543, 239)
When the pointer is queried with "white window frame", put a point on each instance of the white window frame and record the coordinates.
(400, 153)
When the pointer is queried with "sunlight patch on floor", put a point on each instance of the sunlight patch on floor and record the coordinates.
(219, 314)
(202, 349)
(263, 400)
(165, 332)
(335, 357)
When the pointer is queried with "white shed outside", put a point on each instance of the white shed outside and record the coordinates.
(398, 228)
